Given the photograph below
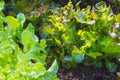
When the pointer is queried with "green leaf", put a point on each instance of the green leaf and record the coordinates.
(1, 26)
(21, 18)
(28, 39)
(110, 45)
(43, 45)
(34, 54)
(68, 37)
(101, 6)
(94, 54)
(29, 36)
(77, 55)
(118, 18)
(109, 12)
(2, 3)
(48, 30)
(21, 57)
(13, 22)
(111, 66)
(30, 28)
(77, 5)
(51, 74)
(84, 18)
(81, 16)
(3, 36)
(13, 25)
(54, 67)
(58, 41)
(39, 69)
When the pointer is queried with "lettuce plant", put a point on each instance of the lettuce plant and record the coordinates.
(89, 36)
(22, 55)
(35, 11)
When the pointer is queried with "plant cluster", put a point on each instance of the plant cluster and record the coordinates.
(22, 55)
(89, 36)
(36, 11)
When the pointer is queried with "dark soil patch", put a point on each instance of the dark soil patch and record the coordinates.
(86, 73)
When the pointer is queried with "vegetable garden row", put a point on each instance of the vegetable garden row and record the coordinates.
(35, 41)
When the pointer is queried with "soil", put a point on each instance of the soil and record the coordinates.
(87, 73)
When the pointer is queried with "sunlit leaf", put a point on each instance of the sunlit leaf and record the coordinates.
(28, 39)
(13, 22)
(118, 18)
(39, 69)
(109, 12)
(34, 54)
(13, 25)
(21, 18)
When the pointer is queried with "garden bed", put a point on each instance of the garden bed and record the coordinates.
(83, 41)
(87, 73)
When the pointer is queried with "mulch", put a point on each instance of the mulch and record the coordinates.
(86, 73)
